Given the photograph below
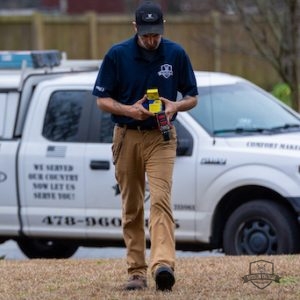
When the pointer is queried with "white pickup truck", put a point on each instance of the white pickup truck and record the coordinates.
(236, 179)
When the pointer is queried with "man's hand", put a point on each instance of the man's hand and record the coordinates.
(170, 107)
(138, 111)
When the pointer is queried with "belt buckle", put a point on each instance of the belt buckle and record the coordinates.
(139, 128)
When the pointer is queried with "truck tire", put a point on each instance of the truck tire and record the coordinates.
(261, 227)
(43, 248)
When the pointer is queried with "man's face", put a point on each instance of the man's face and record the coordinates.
(149, 41)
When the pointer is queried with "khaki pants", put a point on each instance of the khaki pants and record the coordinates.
(137, 153)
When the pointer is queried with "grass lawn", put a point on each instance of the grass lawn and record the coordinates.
(196, 278)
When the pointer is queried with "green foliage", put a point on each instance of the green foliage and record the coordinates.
(282, 91)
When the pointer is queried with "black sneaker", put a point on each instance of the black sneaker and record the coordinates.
(164, 278)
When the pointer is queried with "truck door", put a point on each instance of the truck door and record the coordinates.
(9, 221)
(51, 161)
(184, 183)
(103, 196)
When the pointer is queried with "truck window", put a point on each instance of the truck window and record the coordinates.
(101, 125)
(2, 113)
(63, 117)
(106, 128)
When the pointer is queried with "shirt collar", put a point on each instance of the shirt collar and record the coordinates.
(138, 54)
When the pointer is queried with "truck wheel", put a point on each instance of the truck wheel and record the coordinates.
(42, 248)
(261, 227)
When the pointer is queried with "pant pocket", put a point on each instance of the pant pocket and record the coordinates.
(118, 137)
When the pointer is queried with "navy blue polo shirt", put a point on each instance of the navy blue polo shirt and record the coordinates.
(126, 74)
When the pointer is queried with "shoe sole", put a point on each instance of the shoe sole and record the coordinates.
(135, 288)
(164, 280)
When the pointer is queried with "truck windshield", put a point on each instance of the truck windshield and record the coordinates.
(241, 109)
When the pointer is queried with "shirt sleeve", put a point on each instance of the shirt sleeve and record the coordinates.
(106, 79)
(187, 79)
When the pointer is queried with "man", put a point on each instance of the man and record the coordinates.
(146, 61)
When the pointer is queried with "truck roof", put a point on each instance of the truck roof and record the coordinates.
(203, 78)
(215, 78)
(11, 79)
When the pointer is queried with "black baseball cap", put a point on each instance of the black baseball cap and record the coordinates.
(149, 18)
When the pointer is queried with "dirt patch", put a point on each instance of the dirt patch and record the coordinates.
(196, 278)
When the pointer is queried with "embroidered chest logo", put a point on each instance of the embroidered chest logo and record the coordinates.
(166, 71)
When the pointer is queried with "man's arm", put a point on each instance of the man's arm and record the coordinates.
(186, 103)
(135, 111)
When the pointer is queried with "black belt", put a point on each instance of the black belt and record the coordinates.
(136, 127)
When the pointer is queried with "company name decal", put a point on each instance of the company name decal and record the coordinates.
(53, 181)
(213, 161)
(89, 221)
(278, 146)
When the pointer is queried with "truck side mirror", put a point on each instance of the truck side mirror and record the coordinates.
(184, 147)
(184, 140)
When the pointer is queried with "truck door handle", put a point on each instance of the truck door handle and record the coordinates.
(100, 165)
